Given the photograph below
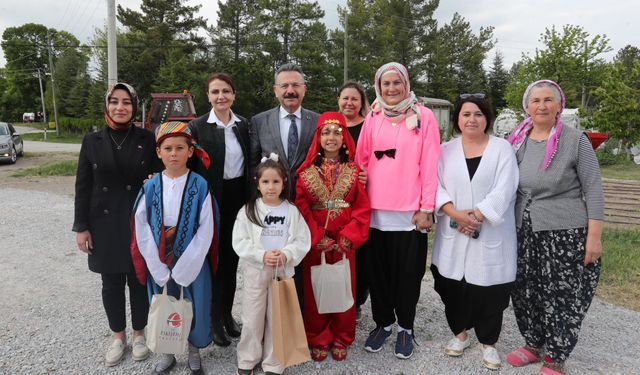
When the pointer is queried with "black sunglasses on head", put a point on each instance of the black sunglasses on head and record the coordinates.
(477, 95)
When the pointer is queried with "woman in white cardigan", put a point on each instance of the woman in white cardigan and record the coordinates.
(474, 254)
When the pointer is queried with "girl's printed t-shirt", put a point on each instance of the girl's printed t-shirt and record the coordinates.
(276, 231)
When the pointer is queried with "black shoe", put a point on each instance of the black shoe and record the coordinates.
(232, 327)
(219, 337)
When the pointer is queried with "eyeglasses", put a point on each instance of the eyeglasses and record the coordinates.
(294, 85)
(477, 95)
(390, 153)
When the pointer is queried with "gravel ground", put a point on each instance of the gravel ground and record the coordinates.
(53, 321)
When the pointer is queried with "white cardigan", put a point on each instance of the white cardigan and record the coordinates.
(247, 244)
(491, 258)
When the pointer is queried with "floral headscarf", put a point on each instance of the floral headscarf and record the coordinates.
(407, 107)
(134, 102)
(519, 135)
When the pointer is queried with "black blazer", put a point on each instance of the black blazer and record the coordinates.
(211, 138)
(105, 195)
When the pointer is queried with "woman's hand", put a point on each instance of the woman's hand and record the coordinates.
(467, 221)
(422, 220)
(84, 242)
(593, 247)
(362, 177)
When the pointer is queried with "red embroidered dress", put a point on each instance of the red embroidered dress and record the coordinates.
(336, 209)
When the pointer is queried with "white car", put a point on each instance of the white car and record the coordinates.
(11, 144)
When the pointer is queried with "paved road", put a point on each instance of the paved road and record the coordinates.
(35, 146)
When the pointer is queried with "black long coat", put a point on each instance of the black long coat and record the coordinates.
(211, 138)
(105, 195)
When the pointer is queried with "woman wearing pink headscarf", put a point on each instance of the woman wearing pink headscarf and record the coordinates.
(399, 147)
(559, 216)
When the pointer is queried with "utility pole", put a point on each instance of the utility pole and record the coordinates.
(112, 53)
(44, 109)
(53, 86)
(346, 48)
(584, 91)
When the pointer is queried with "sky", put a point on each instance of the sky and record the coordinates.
(517, 24)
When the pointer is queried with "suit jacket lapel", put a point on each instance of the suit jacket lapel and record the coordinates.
(273, 122)
(306, 135)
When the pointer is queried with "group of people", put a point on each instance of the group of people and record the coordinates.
(517, 219)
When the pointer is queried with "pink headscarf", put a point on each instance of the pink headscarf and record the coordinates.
(519, 135)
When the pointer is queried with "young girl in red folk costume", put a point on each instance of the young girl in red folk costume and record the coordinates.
(336, 208)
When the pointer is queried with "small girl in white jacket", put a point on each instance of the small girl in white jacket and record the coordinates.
(269, 230)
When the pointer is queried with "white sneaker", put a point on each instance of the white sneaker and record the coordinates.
(114, 353)
(490, 357)
(139, 349)
(455, 347)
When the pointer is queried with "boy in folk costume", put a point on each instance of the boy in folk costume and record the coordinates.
(173, 232)
(336, 208)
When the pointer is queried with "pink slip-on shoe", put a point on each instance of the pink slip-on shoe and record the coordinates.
(522, 357)
(544, 370)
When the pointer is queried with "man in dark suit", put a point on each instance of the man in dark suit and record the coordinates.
(286, 130)
(272, 131)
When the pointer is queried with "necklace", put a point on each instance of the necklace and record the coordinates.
(119, 146)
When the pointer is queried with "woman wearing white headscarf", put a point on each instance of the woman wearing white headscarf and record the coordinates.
(399, 147)
(559, 216)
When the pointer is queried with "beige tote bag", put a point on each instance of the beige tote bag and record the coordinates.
(169, 323)
(332, 285)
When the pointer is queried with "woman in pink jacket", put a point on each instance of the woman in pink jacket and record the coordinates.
(399, 146)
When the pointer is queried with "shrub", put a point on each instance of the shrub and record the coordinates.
(79, 125)
(606, 158)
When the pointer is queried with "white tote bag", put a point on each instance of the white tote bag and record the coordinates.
(169, 323)
(332, 285)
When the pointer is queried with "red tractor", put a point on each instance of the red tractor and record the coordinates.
(167, 107)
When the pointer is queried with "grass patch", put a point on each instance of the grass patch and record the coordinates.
(620, 267)
(52, 137)
(63, 168)
(629, 171)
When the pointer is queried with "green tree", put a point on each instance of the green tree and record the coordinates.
(160, 27)
(26, 50)
(498, 79)
(570, 57)
(618, 111)
(628, 56)
(454, 64)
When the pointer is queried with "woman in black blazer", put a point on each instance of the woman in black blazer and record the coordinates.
(225, 137)
(112, 166)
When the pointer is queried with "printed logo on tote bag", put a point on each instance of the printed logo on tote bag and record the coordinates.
(174, 320)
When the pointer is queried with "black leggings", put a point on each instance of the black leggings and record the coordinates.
(113, 299)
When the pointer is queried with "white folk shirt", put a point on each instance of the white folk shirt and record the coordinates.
(189, 264)
(233, 157)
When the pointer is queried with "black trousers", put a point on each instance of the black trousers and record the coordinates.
(224, 280)
(396, 263)
(362, 276)
(114, 301)
(468, 306)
